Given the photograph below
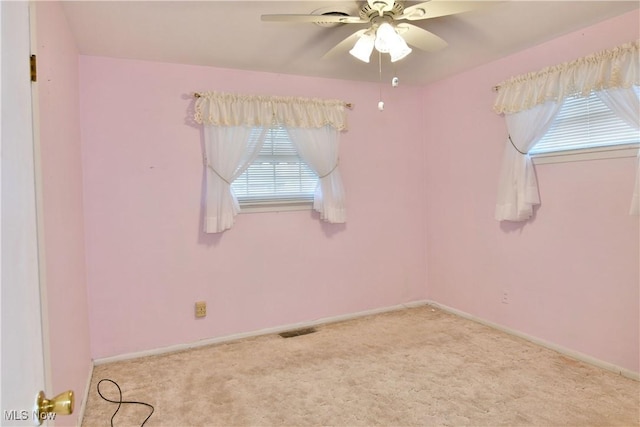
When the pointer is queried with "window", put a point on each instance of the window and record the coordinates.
(277, 177)
(586, 124)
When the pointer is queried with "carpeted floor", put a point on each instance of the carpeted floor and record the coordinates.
(414, 367)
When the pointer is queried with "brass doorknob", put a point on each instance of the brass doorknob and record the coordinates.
(62, 404)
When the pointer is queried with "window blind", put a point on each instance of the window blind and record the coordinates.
(278, 175)
(586, 122)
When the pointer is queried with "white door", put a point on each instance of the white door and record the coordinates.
(21, 359)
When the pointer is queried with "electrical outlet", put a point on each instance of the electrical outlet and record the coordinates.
(201, 308)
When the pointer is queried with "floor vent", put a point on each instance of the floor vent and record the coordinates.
(297, 332)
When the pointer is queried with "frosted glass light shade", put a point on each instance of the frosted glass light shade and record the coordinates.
(385, 37)
(399, 50)
(363, 47)
(385, 40)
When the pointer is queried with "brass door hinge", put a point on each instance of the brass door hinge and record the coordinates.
(34, 70)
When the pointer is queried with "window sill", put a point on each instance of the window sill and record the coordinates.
(276, 207)
(615, 152)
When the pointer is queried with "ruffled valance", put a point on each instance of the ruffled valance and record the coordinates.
(614, 68)
(222, 109)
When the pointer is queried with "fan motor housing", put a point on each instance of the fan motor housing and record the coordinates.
(368, 12)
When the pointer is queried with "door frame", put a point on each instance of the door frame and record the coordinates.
(25, 343)
(42, 260)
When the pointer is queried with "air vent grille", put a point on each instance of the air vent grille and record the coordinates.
(297, 332)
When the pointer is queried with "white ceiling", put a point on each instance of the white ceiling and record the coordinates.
(230, 34)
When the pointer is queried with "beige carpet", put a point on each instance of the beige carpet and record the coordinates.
(415, 367)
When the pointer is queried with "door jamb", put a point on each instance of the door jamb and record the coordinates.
(35, 108)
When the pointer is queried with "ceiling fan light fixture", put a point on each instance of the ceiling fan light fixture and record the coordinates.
(385, 37)
(399, 50)
(389, 41)
(363, 47)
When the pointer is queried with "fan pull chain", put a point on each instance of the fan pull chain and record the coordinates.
(380, 102)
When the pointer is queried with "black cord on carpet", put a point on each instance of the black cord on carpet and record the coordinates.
(120, 401)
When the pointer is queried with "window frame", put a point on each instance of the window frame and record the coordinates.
(588, 153)
(584, 154)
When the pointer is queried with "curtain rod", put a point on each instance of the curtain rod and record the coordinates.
(199, 95)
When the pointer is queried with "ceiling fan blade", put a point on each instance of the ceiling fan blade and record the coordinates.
(435, 9)
(318, 19)
(420, 38)
(345, 45)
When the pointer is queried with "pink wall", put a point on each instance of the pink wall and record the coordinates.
(62, 204)
(147, 259)
(571, 273)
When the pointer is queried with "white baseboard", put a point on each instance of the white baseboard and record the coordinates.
(567, 352)
(340, 318)
(83, 405)
(267, 331)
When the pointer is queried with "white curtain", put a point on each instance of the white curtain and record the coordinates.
(229, 150)
(614, 68)
(626, 104)
(531, 101)
(319, 148)
(518, 188)
(224, 109)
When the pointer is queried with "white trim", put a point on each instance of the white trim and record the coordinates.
(83, 405)
(38, 180)
(596, 153)
(563, 350)
(1, 199)
(275, 206)
(327, 320)
(267, 331)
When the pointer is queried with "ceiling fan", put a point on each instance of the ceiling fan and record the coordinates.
(385, 33)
